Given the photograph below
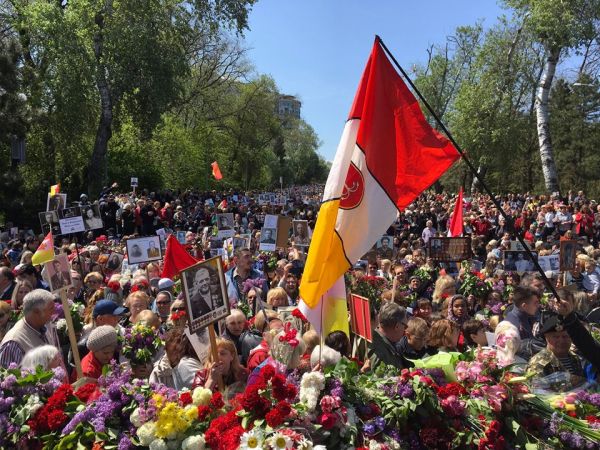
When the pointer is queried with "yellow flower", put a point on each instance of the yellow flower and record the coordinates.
(158, 400)
(171, 420)
(191, 412)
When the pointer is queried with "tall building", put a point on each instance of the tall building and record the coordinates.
(288, 105)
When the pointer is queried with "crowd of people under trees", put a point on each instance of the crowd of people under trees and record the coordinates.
(422, 306)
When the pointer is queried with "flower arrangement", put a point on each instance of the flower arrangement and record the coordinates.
(371, 288)
(140, 343)
(475, 283)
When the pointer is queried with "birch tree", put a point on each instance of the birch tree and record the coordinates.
(560, 26)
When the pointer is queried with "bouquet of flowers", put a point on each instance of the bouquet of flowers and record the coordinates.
(371, 288)
(77, 312)
(474, 283)
(140, 343)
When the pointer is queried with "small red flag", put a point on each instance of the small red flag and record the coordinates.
(456, 221)
(216, 171)
(176, 258)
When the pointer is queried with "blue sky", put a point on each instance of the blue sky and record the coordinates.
(317, 49)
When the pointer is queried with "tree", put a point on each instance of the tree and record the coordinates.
(559, 26)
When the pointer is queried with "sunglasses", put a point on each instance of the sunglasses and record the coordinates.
(163, 303)
(178, 309)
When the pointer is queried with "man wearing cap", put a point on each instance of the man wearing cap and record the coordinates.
(30, 331)
(105, 312)
(557, 356)
(166, 284)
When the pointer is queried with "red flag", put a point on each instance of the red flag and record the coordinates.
(216, 171)
(176, 258)
(456, 221)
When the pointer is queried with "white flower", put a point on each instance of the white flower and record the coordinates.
(305, 444)
(251, 439)
(33, 404)
(193, 443)
(135, 418)
(311, 385)
(147, 433)
(201, 396)
(280, 442)
(319, 447)
(61, 324)
(158, 444)
(374, 445)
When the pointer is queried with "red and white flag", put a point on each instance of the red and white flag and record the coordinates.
(456, 221)
(387, 156)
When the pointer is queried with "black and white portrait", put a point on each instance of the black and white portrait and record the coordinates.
(225, 225)
(143, 249)
(58, 272)
(49, 222)
(384, 247)
(268, 239)
(205, 293)
(91, 217)
(301, 233)
(567, 255)
(56, 202)
(518, 261)
(114, 261)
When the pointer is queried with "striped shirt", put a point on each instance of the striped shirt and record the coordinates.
(11, 351)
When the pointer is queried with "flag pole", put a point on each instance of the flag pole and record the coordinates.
(469, 165)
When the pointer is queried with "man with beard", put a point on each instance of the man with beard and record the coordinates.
(201, 300)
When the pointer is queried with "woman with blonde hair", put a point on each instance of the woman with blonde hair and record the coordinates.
(26, 257)
(5, 311)
(277, 297)
(137, 302)
(227, 367)
(445, 287)
(22, 288)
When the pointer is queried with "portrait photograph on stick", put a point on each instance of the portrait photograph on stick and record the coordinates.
(58, 273)
(518, 261)
(225, 225)
(205, 293)
(143, 249)
(450, 249)
(301, 233)
(268, 238)
(56, 202)
(50, 222)
(567, 255)
(91, 217)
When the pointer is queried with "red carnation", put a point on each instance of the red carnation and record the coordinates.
(451, 389)
(267, 372)
(88, 392)
(274, 418)
(298, 314)
(328, 420)
(203, 412)
(185, 398)
(284, 408)
(216, 401)
(56, 419)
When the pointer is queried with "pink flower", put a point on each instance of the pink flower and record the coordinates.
(329, 403)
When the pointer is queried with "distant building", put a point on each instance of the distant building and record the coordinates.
(288, 105)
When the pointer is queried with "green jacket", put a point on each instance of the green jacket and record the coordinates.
(382, 350)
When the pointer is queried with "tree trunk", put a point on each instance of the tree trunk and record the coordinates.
(97, 169)
(543, 121)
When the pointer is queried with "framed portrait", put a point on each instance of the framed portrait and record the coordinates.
(301, 237)
(56, 202)
(268, 239)
(240, 242)
(143, 249)
(549, 263)
(181, 237)
(91, 217)
(50, 222)
(225, 225)
(70, 220)
(385, 247)
(58, 273)
(450, 249)
(205, 293)
(567, 255)
(519, 261)
(114, 261)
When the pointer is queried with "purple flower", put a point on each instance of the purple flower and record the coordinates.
(369, 429)
(125, 443)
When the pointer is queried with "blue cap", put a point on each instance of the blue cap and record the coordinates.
(108, 307)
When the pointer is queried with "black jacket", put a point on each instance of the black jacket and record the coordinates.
(583, 340)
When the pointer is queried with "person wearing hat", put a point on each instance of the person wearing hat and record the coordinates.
(101, 344)
(105, 312)
(557, 356)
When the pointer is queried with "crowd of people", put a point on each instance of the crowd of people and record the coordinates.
(419, 306)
